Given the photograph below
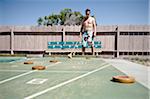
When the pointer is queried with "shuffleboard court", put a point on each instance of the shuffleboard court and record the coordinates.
(77, 78)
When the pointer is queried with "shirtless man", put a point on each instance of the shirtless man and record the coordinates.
(88, 32)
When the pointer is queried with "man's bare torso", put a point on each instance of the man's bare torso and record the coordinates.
(88, 24)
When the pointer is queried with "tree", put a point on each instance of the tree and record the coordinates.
(65, 17)
(40, 21)
(64, 14)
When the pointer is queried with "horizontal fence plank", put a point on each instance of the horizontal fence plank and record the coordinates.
(100, 28)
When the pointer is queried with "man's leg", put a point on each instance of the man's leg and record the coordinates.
(83, 50)
(92, 50)
(91, 41)
(84, 42)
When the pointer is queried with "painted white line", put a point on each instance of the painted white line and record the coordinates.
(12, 78)
(48, 71)
(65, 71)
(14, 66)
(66, 82)
(37, 81)
(14, 70)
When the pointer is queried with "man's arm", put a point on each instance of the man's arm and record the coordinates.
(80, 35)
(94, 26)
(81, 30)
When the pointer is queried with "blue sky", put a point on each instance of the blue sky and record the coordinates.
(107, 12)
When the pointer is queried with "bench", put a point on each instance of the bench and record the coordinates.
(70, 46)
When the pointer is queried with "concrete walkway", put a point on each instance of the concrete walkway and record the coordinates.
(140, 72)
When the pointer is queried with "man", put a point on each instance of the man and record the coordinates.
(88, 32)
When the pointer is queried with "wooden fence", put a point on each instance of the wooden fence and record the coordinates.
(117, 41)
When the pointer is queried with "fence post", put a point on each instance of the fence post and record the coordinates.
(12, 41)
(117, 42)
(63, 35)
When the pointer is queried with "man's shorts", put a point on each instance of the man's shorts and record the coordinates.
(87, 39)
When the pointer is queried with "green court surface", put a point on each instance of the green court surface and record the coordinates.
(77, 78)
